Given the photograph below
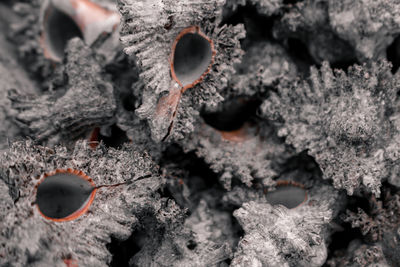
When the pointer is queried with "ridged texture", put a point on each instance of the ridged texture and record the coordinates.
(255, 156)
(290, 237)
(26, 235)
(369, 26)
(149, 29)
(86, 101)
(348, 122)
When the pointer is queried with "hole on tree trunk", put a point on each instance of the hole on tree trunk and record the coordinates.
(65, 195)
(288, 194)
(192, 57)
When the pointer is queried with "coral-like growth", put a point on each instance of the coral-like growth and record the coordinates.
(251, 152)
(346, 121)
(380, 225)
(126, 183)
(289, 237)
(308, 21)
(264, 65)
(369, 26)
(152, 31)
(64, 114)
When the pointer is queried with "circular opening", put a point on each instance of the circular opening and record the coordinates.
(289, 195)
(192, 57)
(59, 28)
(232, 114)
(64, 195)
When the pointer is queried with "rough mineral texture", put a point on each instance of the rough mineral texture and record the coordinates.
(344, 121)
(28, 238)
(87, 100)
(148, 31)
(199, 133)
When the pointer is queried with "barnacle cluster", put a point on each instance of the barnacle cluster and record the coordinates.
(199, 133)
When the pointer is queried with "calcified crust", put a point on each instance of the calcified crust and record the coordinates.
(52, 191)
(344, 121)
(88, 101)
(369, 26)
(301, 230)
(149, 29)
(247, 153)
(124, 178)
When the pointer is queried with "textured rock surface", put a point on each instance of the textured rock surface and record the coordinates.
(86, 101)
(344, 121)
(291, 102)
(148, 31)
(28, 238)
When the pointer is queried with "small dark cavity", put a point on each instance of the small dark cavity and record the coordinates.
(289, 196)
(62, 194)
(123, 250)
(59, 29)
(191, 244)
(233, 114)
(291, 2)
(192, 57)
(116, 139)
(258, 26)
(393, 54)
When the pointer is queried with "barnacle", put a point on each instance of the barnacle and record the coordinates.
(63, 20)
(343, 120)
(158, 33)
(126, 183)
(64, 195)
(236, 144)
(290, 235)
(87, 101)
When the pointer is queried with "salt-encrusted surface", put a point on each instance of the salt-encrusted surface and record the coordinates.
(149, 29)
(343, 120)
(28, 238)
(86, 100)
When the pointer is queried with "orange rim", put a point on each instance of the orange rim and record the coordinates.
(79, 212)
(193, 30)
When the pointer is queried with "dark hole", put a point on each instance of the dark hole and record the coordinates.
(291, 2)
(123, 250)
(116, 139)
(60, 195)
(393, 54)
(232, 114)
(299, 51)
(258, 26)
(191, 58)
(191, 244)
(289, 196)
(60, 28)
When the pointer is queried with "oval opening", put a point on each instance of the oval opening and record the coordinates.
(64, 195)
(288, 194)
(232, 114)
(59, 28)
(192, 56)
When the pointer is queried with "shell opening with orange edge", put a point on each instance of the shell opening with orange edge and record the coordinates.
(64, 195)
(192, 57)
